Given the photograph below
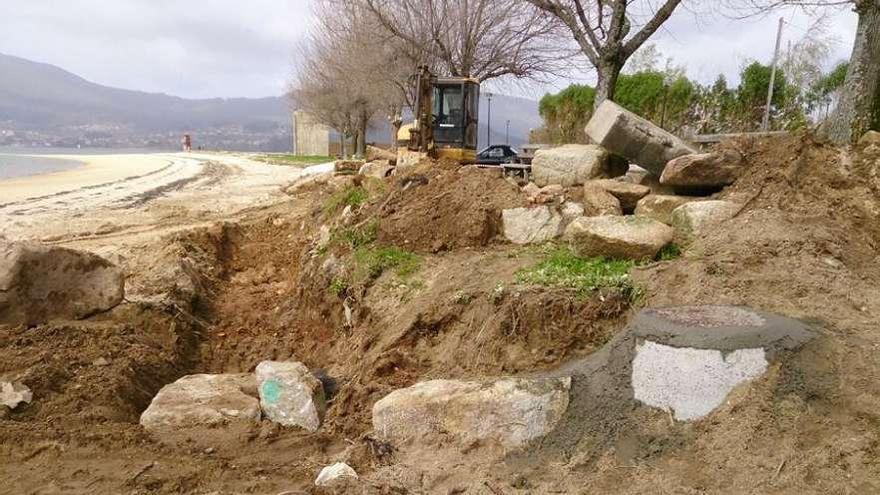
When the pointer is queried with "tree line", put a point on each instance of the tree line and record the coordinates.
(356, 64)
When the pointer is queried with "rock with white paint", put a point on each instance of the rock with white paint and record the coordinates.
(570, 165)
(688, 359)
(643, 143)
(290, 395)
(13, 393)
(333, 474)
(202, 401)
(530, 225)
(40, 283)
(693, 220)
(634, 238)
(510, 412)
(660, 206)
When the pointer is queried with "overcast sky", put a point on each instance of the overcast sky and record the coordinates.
(227, 48)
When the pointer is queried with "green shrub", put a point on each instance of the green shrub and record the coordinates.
(562, 268)
(669, 253)
(356, 237)
(338, 286)
(350, 196)
(372, 262)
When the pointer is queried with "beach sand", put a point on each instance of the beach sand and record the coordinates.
(118, 199)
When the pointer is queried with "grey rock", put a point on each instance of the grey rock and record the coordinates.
(703, 172)
(40, 283)
(660, 206)
(530, 225)
(693, 220)
(627, 193)
(198, 401)
(641, 142)
(290, 395)
(570, 165)
(13, 393)
(633, 238)
(378, 169)
(510, 412)
(332, 474)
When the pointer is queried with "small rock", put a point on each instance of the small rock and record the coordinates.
(101, 361)
(548, 194)
(336, 472)
(633, 238)
(378, 169)
(570, 165)
(599, 202)
(209, 450)
(628, 194)
(693, 220)
(347, 167)
(530, 225)
(510, 411)
(704, 172)
(290, 395)
(324, 236)
(13, 393)
(660, 206)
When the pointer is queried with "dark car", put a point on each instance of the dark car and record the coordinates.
(497, 154)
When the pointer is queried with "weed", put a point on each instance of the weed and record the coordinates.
(358, 236)
(373, 262)
(338, 286)
(562, 268)
(669, 253)
(350, 196)
(293, 160)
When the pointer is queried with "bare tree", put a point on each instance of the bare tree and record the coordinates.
(858, 108)
(482, 39)
(606, 33)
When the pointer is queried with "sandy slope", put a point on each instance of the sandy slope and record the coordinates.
(119, 196)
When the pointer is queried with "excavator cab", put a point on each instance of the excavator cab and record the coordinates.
(455, 106)
(446, 118)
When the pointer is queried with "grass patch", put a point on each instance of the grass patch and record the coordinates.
(669, 253)
(562, 268)
(350, 196)
(338, 286)
(372, 262)
(356, 237)
(293, 160)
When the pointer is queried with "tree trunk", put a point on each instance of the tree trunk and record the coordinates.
(344, 143)
(608, 74)
(361, 150)
(858, 109)
(396, 123)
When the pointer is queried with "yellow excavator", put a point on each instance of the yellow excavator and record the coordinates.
(445, 124)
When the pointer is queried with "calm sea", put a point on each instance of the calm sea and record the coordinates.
(14, 162)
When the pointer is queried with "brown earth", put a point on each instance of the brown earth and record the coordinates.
(224, 298)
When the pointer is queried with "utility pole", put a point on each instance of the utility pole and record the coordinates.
(489, 121)
(507, 134)
(765, 125)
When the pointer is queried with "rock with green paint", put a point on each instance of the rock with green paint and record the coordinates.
(290, 395)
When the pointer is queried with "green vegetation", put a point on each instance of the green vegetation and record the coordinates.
(293, 160)
(350, 196)
(338, 286)
(669, 253)
(562, 268)
(357, 236)
(372, 262)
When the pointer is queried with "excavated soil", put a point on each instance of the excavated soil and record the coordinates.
(224, 298)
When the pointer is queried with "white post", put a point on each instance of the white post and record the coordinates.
(765, 125)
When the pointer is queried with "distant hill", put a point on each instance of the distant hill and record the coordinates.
(42, 96)
(44, 105)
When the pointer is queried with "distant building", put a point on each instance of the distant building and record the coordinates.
(310, 137)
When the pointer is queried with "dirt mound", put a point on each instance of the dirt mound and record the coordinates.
(433, 209)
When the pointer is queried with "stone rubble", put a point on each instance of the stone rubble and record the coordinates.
(13, 393)
(693, 220)
(334, 473)
(660, 206)
(571, 165)
(704, 172)
(635, 238)
(290, 395)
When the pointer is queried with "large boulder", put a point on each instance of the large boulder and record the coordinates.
(627, 193)
(598, 201)
(624, 133)
(39, 283)
(688, 359)
(186, 409)
(694, 219)
(290, 394)
(571, 165)
(510, 411)
(634, 238)
(704, 172)
(538, 224)
(660, 206)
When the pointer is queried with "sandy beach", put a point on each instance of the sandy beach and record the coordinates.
(112, 197)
